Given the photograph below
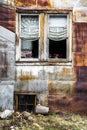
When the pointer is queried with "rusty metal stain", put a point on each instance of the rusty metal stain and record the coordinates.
(25, 3)
(26, 77)
(44, 3)
(7, 17)
(67, 73)
(76, 104)
(80, 44)
(61, 88)
(78, 59)
(33, 3)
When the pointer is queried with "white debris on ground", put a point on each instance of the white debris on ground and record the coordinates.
(6, 113)
(42, 109)
(29, 121)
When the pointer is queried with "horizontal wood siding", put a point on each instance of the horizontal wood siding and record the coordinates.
(7, 17)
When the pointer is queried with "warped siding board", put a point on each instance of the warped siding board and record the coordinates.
(7, 17)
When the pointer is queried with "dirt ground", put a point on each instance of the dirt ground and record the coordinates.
(30, 121)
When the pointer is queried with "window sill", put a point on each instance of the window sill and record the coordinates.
(43, 63)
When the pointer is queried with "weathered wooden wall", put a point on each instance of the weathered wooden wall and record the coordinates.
(7, 55)
(7, 17)
(62, 87)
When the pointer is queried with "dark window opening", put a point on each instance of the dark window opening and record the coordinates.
(29, 49)
(25, 102)
(57, 49)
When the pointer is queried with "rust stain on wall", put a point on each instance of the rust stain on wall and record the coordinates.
(80, 44)
(35, 3)
(79, 103)
(44, 3)
(80, 37)
(26, 77)
(7, 17)
(25, 3)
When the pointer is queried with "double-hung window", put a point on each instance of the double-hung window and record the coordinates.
(29, 36)
(57, 37)
(45, 37)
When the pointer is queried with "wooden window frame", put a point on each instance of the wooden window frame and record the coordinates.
(43, 40)
(69, 39)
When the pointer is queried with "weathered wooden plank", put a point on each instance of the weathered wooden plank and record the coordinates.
(7, 17)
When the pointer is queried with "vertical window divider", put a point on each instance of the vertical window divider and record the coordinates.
(41, 45)
(46, 41)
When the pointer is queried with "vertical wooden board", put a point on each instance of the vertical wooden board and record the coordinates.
(41, 35)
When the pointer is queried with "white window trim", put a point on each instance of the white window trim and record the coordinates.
(69, 40)
(46, 41)
(28, 59)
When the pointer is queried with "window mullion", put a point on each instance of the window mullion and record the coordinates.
(41, 45)
(46, 41)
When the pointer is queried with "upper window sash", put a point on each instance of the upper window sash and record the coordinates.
(29, 26)
(57, 29)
